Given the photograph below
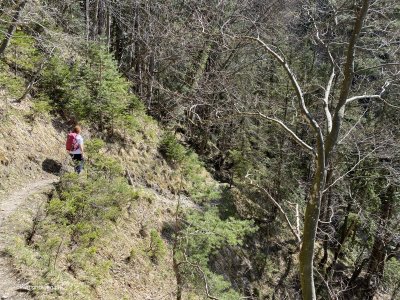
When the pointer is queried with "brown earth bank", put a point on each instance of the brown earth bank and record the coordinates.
(32, 156)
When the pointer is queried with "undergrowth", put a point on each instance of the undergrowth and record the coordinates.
(64, 245)
(197, 182)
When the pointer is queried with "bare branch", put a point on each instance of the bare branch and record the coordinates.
(203, 275)
(362, 97)
(326, 100)
(283, 125)
(352, 128)
(300, 95)
(387, 83)
(292, 228)
(351, 169)
(347, 80)
(389, 104)
(328, 88)
(376, 67)
(205, 283)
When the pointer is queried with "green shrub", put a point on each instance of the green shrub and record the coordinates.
(109, 97)
(157, 248)
(91, 89)
(133, 254)
(100, 164)
(129, 123)
(41, 106)
(22, 52)
(93, 146)
(14, 85)
(241, 164)
(104, 166)
(391, 278)
(197, 184)
(55, 82)
(78, 216)
(200, 188)
(172, 150)
(204, 234)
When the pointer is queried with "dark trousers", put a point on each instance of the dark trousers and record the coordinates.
(78, 162)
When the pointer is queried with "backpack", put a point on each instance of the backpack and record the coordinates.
(71, 143)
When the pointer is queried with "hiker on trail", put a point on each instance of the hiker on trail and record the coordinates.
(75, 148)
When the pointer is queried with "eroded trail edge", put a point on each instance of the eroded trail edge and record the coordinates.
(10, 286)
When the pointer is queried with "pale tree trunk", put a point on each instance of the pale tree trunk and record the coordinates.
(313, 206)
(11, 29)
(311, 217)
(151, 80)
(94, 29)
(108, 29)
(326, 203)
(325, 145)
(87, 19)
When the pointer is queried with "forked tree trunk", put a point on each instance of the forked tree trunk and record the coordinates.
(306, 259)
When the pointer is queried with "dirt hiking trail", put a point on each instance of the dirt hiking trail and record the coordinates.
(10, 286)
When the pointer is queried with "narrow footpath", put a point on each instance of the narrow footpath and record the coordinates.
(11, 287)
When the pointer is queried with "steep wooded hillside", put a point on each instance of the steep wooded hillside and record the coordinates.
(233, 149)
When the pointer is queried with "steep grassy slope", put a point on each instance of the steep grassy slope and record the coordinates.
(121, 248)
(25, 145)
(120, 264)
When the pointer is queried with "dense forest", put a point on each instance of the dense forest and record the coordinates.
(278, 122)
